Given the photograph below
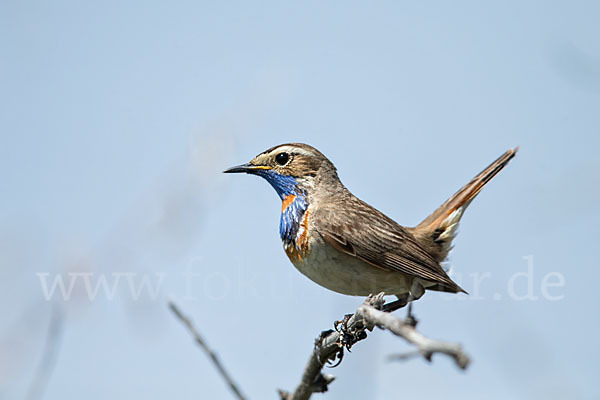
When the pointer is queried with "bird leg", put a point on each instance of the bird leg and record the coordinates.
(396, 304)
(416, 292)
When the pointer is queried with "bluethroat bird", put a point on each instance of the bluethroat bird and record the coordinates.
(344, 244)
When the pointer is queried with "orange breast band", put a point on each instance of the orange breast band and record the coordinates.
(287, 201)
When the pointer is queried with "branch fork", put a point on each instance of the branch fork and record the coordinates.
(351, 329)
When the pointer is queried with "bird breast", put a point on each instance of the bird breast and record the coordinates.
(337, 271)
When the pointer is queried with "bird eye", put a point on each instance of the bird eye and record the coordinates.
(282, 158)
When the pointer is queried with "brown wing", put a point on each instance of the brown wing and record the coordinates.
(355, 228)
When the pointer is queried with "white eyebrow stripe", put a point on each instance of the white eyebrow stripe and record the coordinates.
(296, 150)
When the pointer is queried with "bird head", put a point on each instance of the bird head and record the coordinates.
(292, 169)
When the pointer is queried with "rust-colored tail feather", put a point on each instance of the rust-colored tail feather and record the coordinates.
(436, 231)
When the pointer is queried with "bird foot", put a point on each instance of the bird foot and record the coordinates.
(319, 340)
(319, 345)
(348, 336)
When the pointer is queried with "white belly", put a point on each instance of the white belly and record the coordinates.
(347, 274)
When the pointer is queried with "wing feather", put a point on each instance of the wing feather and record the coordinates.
(359, 230)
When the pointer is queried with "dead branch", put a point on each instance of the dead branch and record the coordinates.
(406, 329)
(211, 354)
(330, 345)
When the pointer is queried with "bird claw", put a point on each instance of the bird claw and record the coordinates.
(348, 337)
(322, 336)
(339, 356)
(319, 340)
(319, 344)
(341, 326)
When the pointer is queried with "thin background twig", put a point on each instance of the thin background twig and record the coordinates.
(211, 354)
(49, 356)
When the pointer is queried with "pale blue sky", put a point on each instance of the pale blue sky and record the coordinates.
(117, 118)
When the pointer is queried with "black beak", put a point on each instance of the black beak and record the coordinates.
(247, 168)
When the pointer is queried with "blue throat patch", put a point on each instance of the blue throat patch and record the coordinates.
(291, 216)
(289, 223)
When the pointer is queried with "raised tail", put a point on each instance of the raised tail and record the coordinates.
(438, 230)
